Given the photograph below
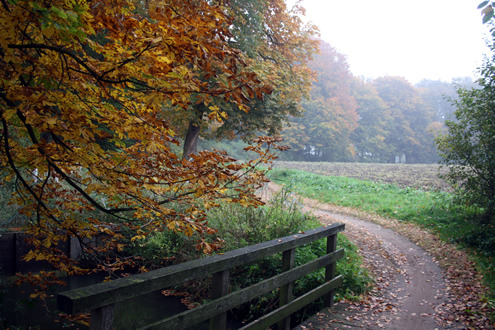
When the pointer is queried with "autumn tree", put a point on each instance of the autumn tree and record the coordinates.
(323, 134)
(408, 128)
(84, 135)
(373, 123)
(276, 47)
(436, 95)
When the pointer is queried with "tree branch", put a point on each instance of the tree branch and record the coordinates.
(19, 176)
(6, 6)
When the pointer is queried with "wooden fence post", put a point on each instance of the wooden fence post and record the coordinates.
(330, 270)
(286, 290)
(102, 318)
(220, 282)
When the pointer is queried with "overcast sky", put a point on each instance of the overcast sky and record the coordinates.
(418, 39)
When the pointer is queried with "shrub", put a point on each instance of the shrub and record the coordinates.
(243, 226)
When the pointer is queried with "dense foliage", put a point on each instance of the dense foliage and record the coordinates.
(276, 47)
(281, 216)
(468, 145)
(93, 95)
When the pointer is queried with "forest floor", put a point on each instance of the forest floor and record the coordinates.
(421, 282)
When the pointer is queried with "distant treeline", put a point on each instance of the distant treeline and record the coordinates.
(386, 120)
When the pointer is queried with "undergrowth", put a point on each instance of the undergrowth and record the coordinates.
(243, 226)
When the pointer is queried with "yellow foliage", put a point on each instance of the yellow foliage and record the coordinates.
(85, 92)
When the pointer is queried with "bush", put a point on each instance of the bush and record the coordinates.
(243, 226)
(468, 145)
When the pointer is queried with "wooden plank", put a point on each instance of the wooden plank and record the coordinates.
(87, 298)
(330, 270)
(102, 318)
(220, 288)
(285, 311)
(204, 312)
(288, 259)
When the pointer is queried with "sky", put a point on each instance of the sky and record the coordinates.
(418, 39)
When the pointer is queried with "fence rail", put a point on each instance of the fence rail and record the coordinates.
(100, 298)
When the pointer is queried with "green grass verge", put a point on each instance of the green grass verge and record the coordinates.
(435, 210)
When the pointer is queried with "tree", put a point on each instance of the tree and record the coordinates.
(373, 124)
(276, 46)
(468, 145)
(323, 134)
(408, 130)
(436, 95)
(83, 134)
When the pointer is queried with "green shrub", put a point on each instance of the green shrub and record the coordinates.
(283, 216)
(243, 226)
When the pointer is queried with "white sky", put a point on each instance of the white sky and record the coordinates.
(415, 39)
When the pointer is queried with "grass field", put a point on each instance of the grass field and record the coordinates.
(363, 187)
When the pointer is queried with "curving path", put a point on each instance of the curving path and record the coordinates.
(410, 291)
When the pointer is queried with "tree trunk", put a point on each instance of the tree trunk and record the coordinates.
(191, 142)
(192, 136)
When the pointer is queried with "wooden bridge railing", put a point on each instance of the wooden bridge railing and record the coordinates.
(100, 298)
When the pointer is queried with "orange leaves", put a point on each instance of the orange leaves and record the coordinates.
(216, 114)
(330, 115)
(207, 248)
(140, 235)
(87, 118)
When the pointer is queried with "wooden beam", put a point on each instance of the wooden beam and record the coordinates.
(330, 270)
(220, 283)
(188, 318)
(285, 311)
(288, 259)
(102, 318)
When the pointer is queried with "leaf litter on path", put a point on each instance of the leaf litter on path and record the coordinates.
(421, 282)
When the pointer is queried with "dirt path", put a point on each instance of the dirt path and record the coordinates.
(411, 290)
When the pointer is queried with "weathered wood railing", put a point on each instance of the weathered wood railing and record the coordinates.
(100, 298)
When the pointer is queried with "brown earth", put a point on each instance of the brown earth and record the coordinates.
(414, 288)
(417, 176)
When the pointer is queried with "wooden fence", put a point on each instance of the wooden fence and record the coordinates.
(100, 298)
(13, 247)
